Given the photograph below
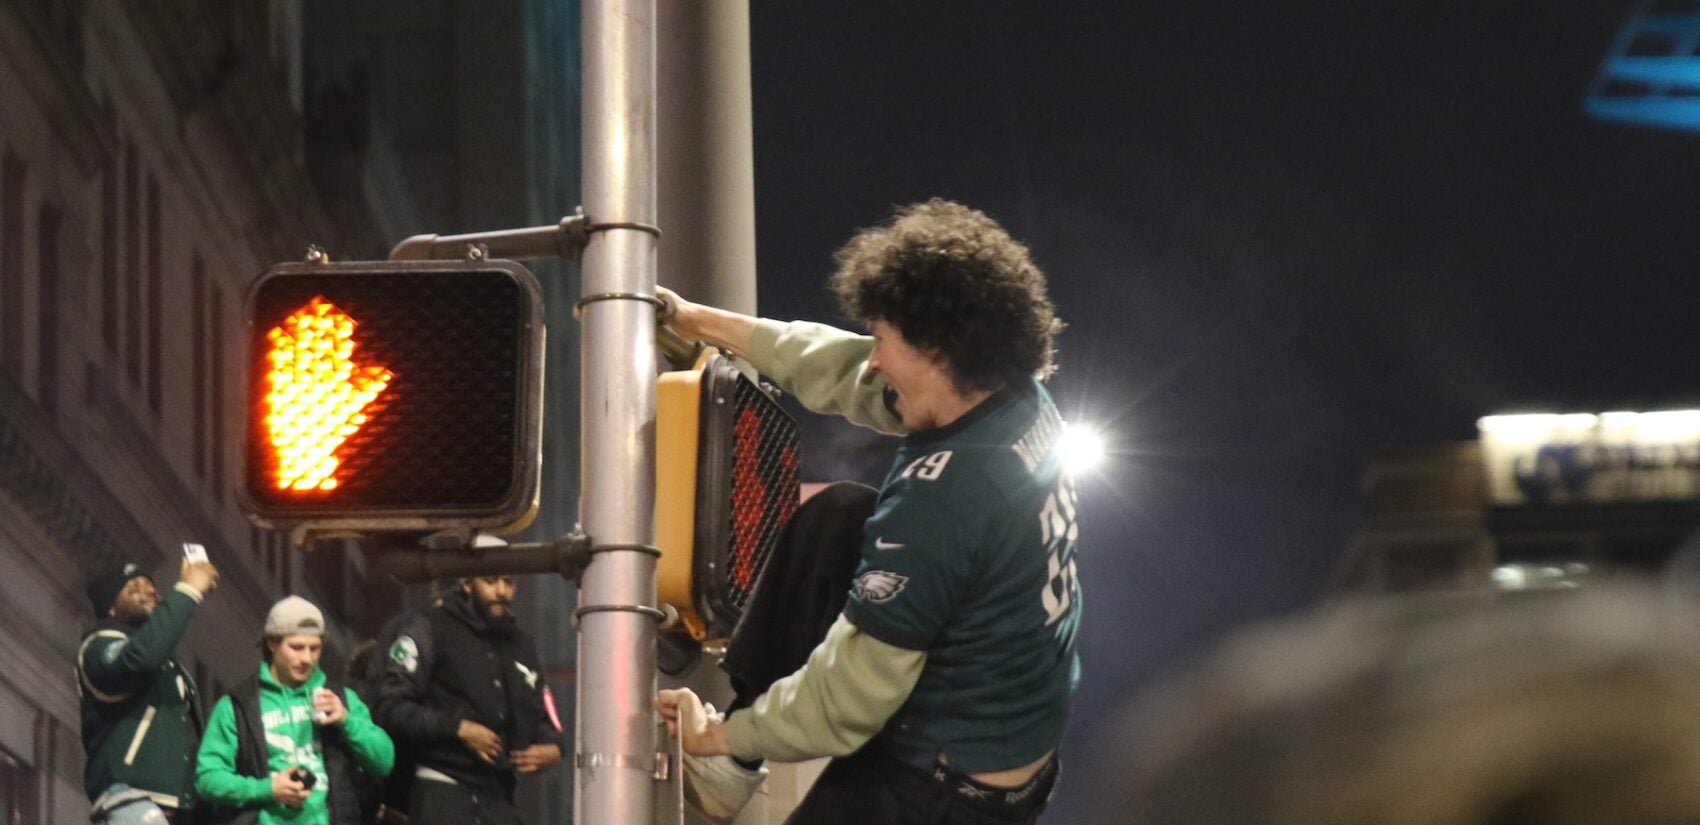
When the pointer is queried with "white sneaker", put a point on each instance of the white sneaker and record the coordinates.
(719, 787)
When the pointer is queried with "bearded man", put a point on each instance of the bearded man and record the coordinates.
(463, 696)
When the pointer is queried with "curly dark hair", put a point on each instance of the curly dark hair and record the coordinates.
(950, 280)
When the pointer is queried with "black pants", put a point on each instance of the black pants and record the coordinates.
(440, 803)
(802, 591)
(870, 788)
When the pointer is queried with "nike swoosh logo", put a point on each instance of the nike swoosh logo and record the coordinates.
(882, 544)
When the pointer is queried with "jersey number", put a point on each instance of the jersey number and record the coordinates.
(928, 467)
(1058, 530)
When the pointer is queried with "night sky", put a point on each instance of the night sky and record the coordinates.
(1282, 234)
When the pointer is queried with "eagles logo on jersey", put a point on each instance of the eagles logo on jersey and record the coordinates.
(879, 586)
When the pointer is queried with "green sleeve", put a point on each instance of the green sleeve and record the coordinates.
(372, 747)
(216, 779)
(834, 704)
(826, 368)
(120, 665)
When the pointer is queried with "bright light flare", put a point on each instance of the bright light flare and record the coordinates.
(1082, 448)
(1665, 426)
(316, 394)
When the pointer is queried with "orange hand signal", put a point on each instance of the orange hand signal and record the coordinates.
(316, 395)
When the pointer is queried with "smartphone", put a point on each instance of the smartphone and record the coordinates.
(321, 714)
(194, 552)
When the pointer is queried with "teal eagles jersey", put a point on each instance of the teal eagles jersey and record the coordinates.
(970, 557)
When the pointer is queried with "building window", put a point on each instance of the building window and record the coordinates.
(198, 355)
(132, 265)
(109, 263)
(17, 791)
(272, 546)
(215, 399)
(327, 574)
(207, 344)
(156, 299)
(257, 546)
(285, 570)
(47, 316)
(11, 260)
(218, 390)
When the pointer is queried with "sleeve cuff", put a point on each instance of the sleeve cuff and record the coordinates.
(908, 641)
(741, 735)
(187, 590)
(451, 727)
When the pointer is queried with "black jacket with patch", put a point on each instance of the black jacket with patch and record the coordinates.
(444, 665)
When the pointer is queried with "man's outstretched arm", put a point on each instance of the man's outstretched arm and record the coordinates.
(834, 704)
(824, 367)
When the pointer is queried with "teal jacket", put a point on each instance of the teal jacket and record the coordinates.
(292, 739)
(140, 710)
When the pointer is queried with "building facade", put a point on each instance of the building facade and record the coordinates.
(151, 164)
(1537, 500)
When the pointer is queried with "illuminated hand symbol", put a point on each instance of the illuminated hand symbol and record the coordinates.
(316, 395)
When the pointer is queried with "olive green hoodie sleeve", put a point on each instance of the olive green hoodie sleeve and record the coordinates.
(371, 746)
(216, 778)
(834, 704)
(826, 368)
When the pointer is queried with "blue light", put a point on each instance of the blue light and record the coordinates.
(1651, 76)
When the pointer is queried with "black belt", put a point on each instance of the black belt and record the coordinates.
(1035, 792)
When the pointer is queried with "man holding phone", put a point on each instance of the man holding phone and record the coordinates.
(140, 710)
(288, 741)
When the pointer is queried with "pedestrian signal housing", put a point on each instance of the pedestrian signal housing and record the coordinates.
(393, 396)
(726, 484)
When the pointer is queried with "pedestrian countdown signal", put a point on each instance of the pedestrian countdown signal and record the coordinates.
(394, 396)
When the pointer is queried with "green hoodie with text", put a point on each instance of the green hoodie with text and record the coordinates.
(292, 739)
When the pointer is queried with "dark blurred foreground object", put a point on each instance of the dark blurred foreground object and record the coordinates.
(1560, 708)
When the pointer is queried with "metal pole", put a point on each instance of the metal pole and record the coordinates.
(706, 151)
(615, 759)
(706, 163)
